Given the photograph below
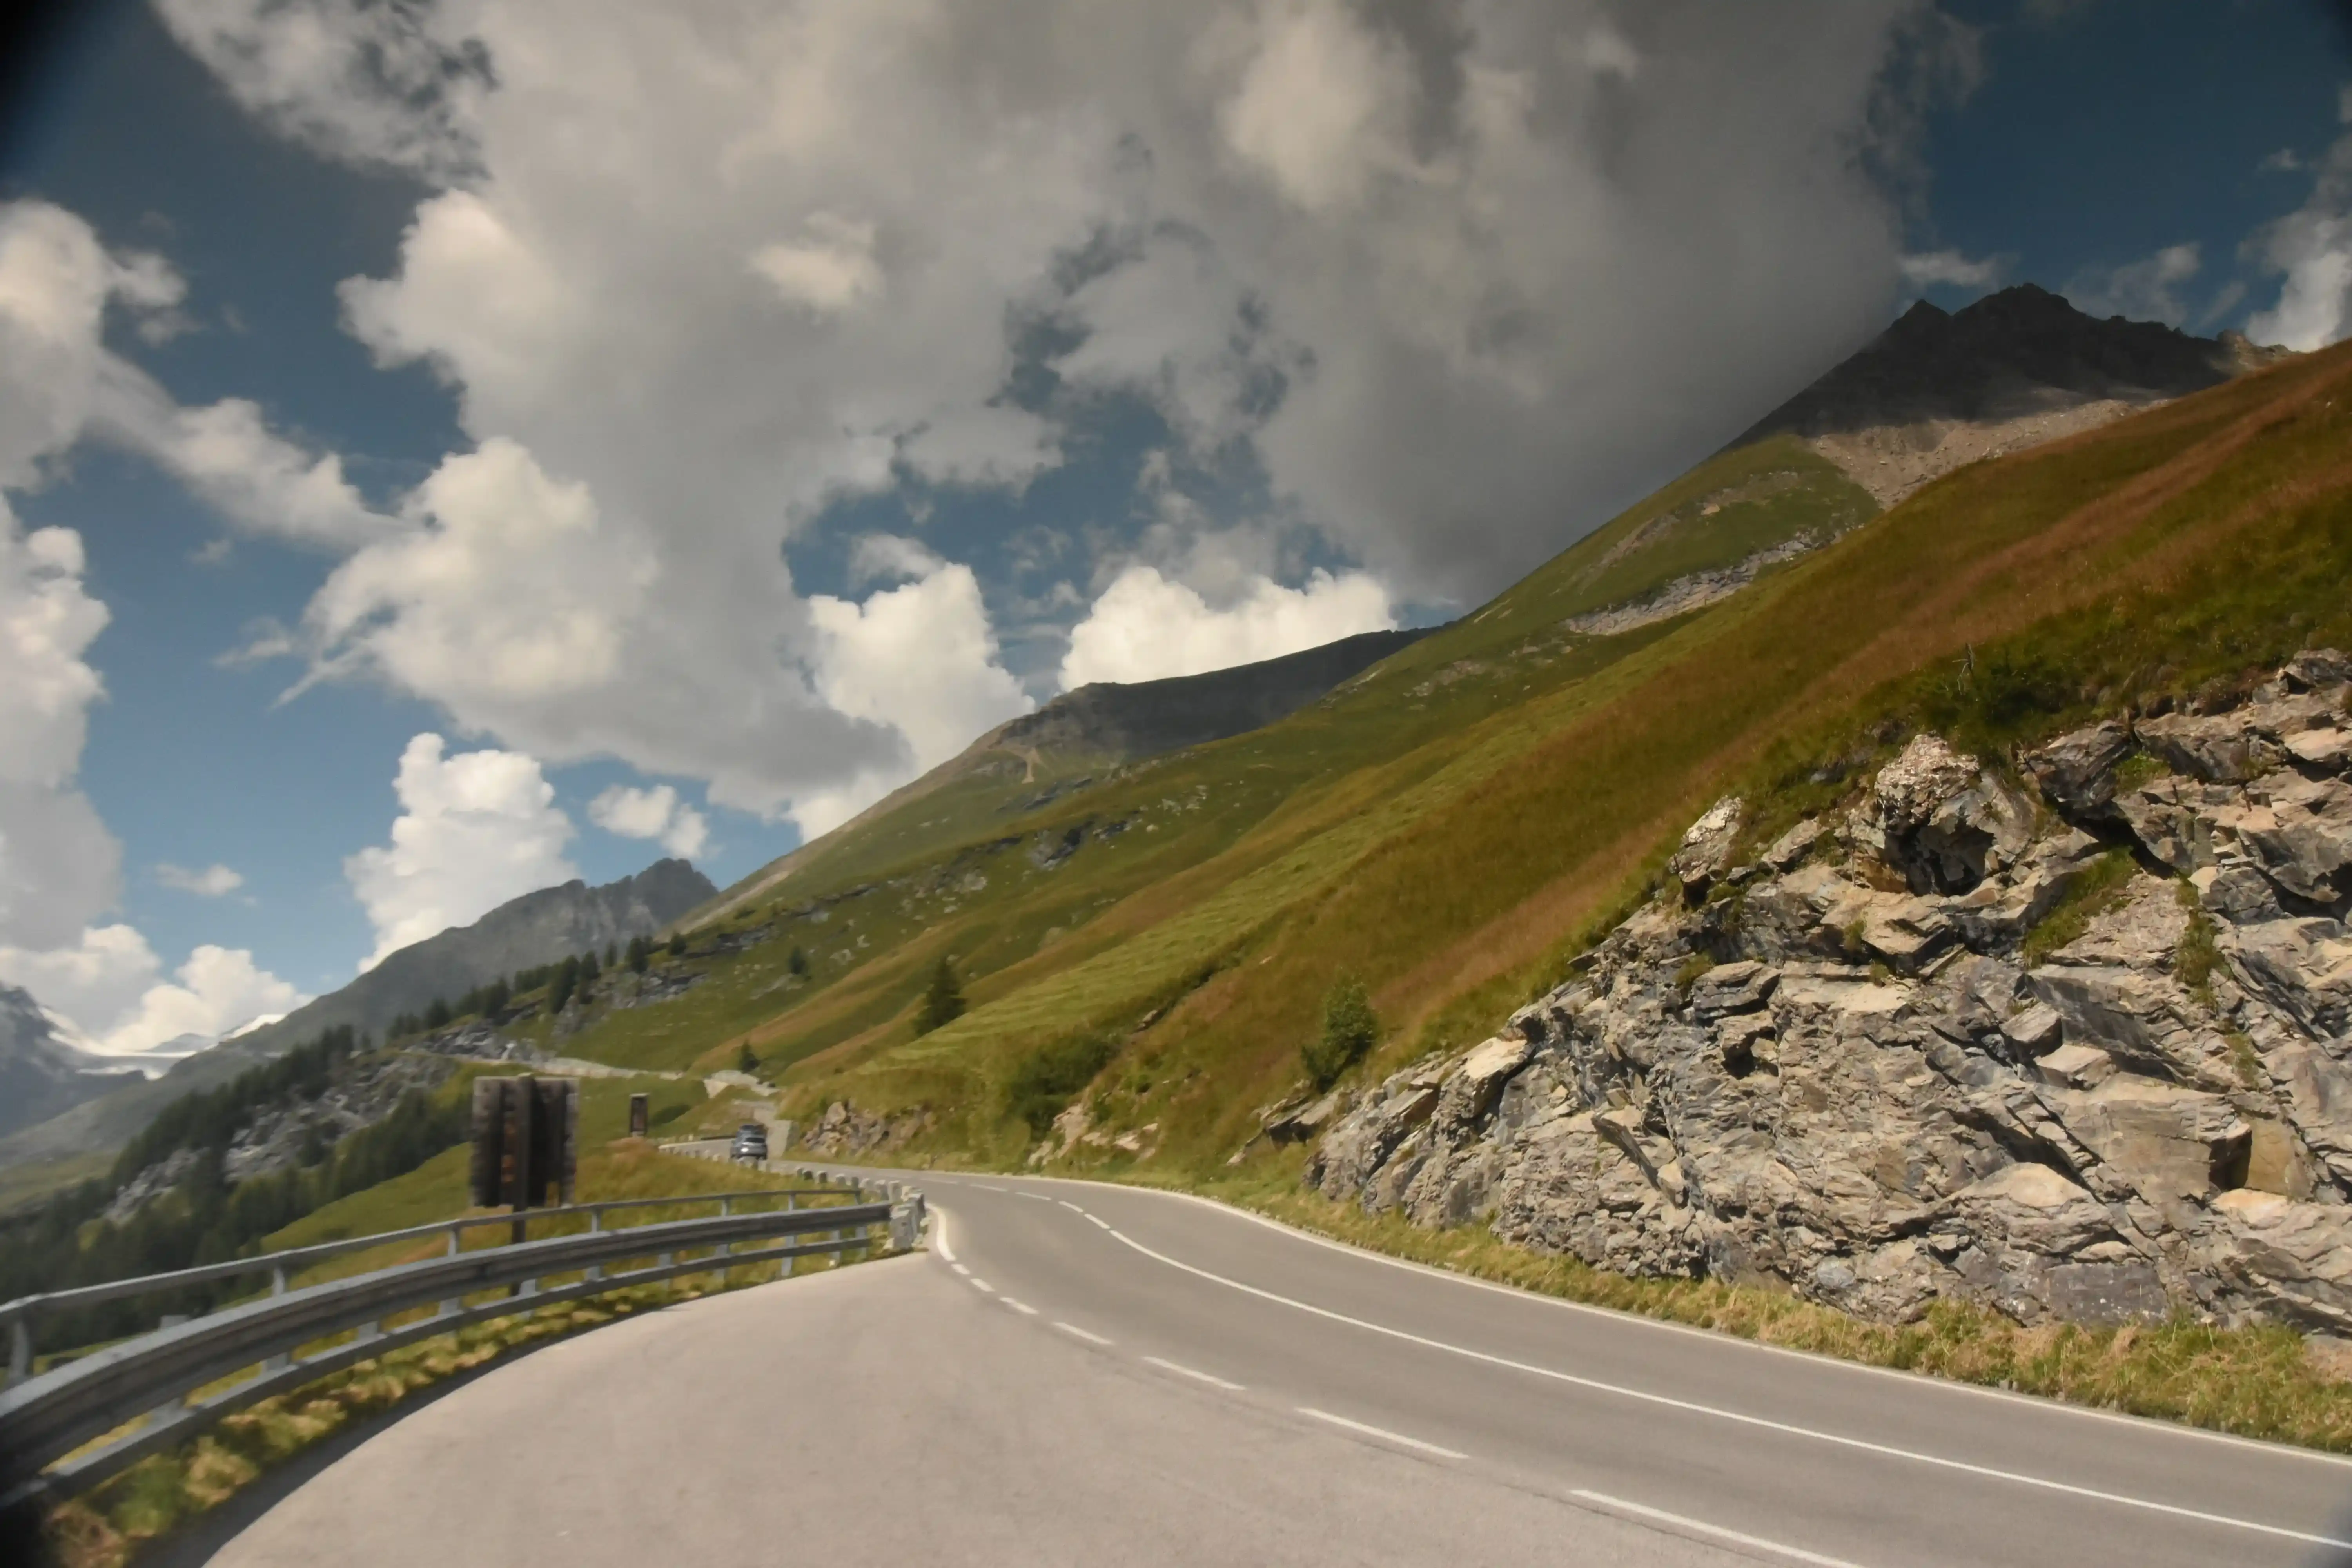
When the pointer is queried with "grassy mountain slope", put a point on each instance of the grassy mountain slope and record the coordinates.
(1078, 739)
(1041, 909)
(1454, 822)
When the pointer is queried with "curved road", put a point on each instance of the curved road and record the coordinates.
(1079, 1374)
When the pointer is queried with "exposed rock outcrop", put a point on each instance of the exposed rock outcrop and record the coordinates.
(1829, 1063)
(844, 1129)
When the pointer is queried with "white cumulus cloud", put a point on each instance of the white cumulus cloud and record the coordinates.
(213, 881)
(919, 657)
(2147, 290)
(2311, 248)
(709, 270)
(656, 813)
(59, 866)
(1953, 267)
(109, 992)
(1145, 625)
(475, 829)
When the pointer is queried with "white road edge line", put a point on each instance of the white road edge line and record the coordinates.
(1917, 1380)
(1762, 1423)
(1383, 1433)
(1189, 1372)
(1081, 1333)
(1737, 1538)
(1020, 1307)
(940, 1237)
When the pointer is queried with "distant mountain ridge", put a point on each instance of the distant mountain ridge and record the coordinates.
(1131, 722)
(2021, 351)
(538, 928)
(1067, 744)
(40, 1075)
(2016, 368)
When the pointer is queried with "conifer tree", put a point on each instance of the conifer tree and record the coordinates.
(943, 1002)
(560, 989)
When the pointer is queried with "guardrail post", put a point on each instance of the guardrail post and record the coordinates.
(282, 1360)
(178, 1402)
(20, 1350)
(595, 1271)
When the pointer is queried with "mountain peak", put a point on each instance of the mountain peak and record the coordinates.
(2022, 350)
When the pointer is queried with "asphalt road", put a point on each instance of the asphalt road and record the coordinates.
(1080, 1374)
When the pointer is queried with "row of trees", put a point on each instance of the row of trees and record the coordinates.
(569, 980)
(210, 1119)
(205, 1220)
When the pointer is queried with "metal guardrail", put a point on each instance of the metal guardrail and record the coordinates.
(48, 1423)
(18, 1314)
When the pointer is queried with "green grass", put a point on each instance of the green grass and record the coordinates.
(1457, 822)
(26, 1185)
(2199, 953)
(2099, 889)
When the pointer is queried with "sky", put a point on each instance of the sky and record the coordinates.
(448, 447)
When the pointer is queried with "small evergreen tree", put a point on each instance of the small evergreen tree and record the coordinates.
(437, 1016)
(611, 956)
(677, 944)
(943, 1002)
(1350, 1027)
(641, 953)
(560, 989)
(744, 1061)
(589, 967)
(797, 963)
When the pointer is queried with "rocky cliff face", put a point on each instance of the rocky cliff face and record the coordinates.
(2074, 1046)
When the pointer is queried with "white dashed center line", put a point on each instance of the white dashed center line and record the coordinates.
(1021, 1306)
(1081, 1333)
(980, 1284)
(1097, 1224)
(961, 1270)
(1188, 1372)
(1383, 1433)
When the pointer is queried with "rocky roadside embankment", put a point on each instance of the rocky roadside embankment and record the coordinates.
(1839, 1063)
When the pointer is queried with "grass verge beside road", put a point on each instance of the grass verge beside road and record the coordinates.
(2266, 1383)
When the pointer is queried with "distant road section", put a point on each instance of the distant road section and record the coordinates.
(1085, 1375)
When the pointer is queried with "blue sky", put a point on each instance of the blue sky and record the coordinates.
(759, 417)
